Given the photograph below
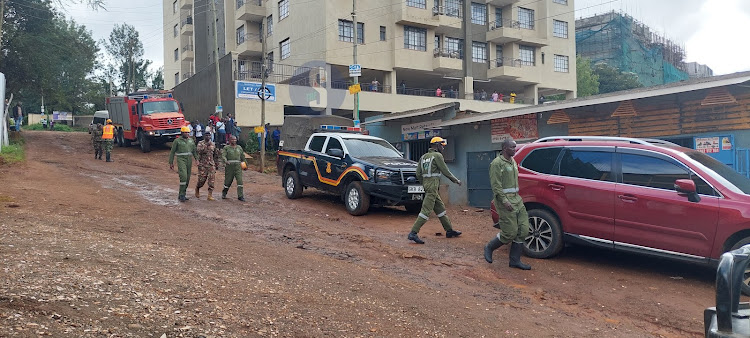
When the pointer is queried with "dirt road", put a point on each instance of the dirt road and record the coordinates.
(90, 248)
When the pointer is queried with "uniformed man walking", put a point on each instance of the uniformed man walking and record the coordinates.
(108, 138)
(233, 157)
(429, 169)
(96, 140)
(184, 148)
(208, 163)
(514, 220)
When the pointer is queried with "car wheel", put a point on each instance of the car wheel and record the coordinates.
(144, 142)
(292, 187)
(357, 201)
(545, 235)
(746, 277)
(413, 208)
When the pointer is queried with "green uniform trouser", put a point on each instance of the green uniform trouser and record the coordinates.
(432, 202)
(514, 225)
(233, 171)
(108, 145)
(184, 168)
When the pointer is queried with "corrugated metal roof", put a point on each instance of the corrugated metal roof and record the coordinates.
(413, 113)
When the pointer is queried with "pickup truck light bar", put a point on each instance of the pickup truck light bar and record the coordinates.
(340, 128)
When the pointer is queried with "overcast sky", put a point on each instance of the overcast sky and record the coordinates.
(714, 32)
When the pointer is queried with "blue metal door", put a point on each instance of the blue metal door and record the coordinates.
(742, 164)
(478, 178)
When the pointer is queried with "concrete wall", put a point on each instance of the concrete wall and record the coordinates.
(198, 94)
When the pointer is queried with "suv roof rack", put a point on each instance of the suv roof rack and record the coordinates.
(607, 138)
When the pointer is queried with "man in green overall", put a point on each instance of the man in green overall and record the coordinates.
(514, 221)
(233, 157)
(184, 148)
(429, 169)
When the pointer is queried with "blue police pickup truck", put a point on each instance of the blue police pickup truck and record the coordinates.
(363, 170)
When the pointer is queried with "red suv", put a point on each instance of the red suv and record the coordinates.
(638, 195)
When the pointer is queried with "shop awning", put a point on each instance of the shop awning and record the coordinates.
(412, 113)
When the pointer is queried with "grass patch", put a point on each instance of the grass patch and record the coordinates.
(58, 127)
(13, 153)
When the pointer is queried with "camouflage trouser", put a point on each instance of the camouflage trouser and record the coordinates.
(97, 147)
(206, 174)
(108, 145)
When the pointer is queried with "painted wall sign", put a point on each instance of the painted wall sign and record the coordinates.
(707, 144)
(420, 126)
(520, 128)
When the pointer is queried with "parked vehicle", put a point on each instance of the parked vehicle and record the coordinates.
(729, 319)
(146, 117)
(364, 170)
(643, 196)
(100, 117)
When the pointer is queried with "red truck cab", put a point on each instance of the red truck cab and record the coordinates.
(145, 117)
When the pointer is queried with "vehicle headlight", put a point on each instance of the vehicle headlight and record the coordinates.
(371, 173)
(383, 175)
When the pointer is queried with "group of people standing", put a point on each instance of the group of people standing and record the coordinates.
(102, 139)
(219, 128)
(514, 220)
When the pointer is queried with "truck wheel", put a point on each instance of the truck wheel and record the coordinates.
(144, 142)
(413, 208)
(545, 235)
(125, 142)
(357, 201)
(745, 278)
(292, 186)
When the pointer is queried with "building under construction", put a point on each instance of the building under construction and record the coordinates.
(630, 46)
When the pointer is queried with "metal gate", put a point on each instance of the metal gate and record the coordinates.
(478, 178)
(742, 162)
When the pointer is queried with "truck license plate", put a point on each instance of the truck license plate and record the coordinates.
(415, 189)
(416, 197)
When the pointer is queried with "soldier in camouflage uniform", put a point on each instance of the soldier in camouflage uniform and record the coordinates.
(429, 169)
(184, 148)
(208, 163)
(514, 220)
(233, 156)
(96, 140)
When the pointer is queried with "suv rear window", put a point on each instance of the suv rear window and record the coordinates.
(541, 160)
(592, 165)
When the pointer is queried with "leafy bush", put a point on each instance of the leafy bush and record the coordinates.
(251, 145)
(37, 126)
(63, 127)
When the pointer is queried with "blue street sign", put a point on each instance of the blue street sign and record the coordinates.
(253, 91)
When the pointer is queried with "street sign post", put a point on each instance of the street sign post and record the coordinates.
(219, 109)
(355, 70)
(355, 88)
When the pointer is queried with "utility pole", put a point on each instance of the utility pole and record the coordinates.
(262, 92)
(216, 59)
(356, 78)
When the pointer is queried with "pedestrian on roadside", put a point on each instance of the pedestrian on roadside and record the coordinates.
(108, 138)
(429, 170)
(96, 140)
(232, 156)
(402, 87)
(276, 136)
(197, 131)
(210, 130)
(494, 96)
(438, 92)
(221, 134)
(374, 85)
(230, 126)
(259, 131)
(208, 163)
(514, 220)
(18, 116)
(266, 139)
(214, 118)
(184, 148)
(484, 95)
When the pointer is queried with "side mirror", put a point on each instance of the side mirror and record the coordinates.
(688, 188)
(335, 152)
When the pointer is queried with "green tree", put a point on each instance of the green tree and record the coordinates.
(157, 80)
(125, 46)
(588, 81)
(612, 80)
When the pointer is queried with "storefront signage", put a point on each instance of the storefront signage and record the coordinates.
(707, 145)
(420, 126)
(520, 128)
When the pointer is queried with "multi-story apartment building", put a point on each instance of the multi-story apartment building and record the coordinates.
(503, 45)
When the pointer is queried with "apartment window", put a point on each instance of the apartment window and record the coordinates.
(499, 56)
(283, 9)
(417, 3)
(270, 61)
(453, 7)
(269, 24)
(176, 54)
(285, 48)
(176, 78)
(478, 14)
(562, 2)
(479, 52)
(176, 30)
(382, 33)
(525, 18)
(241, 35)
(560, 29)
(437, 41)
(174, 7)
(527, 56)
(498, 17)
(346, 31)
(454, 46)
(561, 63)
(415, 38)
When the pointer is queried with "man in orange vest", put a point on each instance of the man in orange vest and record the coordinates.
(108, 137)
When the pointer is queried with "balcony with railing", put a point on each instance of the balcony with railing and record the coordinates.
(508, 31)
(415, 16)
(514, 69)
(250, 10)
(448, 17)
(447, 60)
(186, 4)
(501, 3)
(186, 26)
(187, 52)
(250, 44)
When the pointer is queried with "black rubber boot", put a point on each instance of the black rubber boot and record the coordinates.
(108, 158)
(515, 257)
(181, 198)
(241, 199)
(491, 246)
(224, 194)
(452, 233)
(413, 237)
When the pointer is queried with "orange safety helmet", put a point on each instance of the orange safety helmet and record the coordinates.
(438, 139)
